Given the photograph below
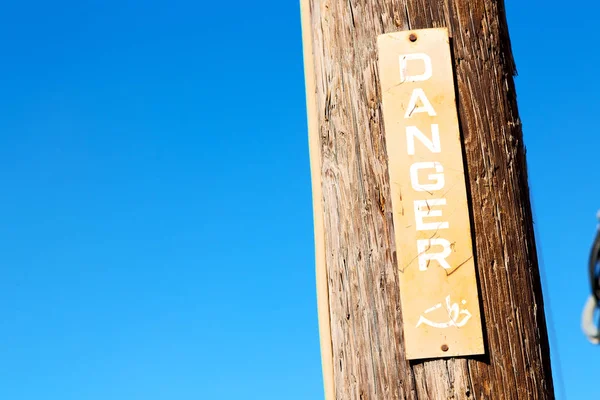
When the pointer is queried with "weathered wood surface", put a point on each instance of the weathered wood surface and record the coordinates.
(359, 252)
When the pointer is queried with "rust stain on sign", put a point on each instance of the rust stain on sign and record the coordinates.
(438, 286)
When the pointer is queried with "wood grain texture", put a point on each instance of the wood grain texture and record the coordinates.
(360, 260)
(319, 227)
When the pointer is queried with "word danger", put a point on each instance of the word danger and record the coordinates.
(425, 176)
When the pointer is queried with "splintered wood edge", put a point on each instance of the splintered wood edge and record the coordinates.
(317, 195)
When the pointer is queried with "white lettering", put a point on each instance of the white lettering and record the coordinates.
(424, 245)
(404, 58)
(432, 144)
(419, 94)
(437, 179)
(423, 209)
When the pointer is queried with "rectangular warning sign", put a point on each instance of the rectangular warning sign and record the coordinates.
(438, 286)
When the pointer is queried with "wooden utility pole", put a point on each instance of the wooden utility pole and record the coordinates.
(360, 314)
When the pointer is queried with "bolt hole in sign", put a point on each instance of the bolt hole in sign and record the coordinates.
(438, 285)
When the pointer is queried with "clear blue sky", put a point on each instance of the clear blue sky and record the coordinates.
(156, 235)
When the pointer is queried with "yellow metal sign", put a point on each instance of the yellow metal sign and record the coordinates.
(438, 285)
